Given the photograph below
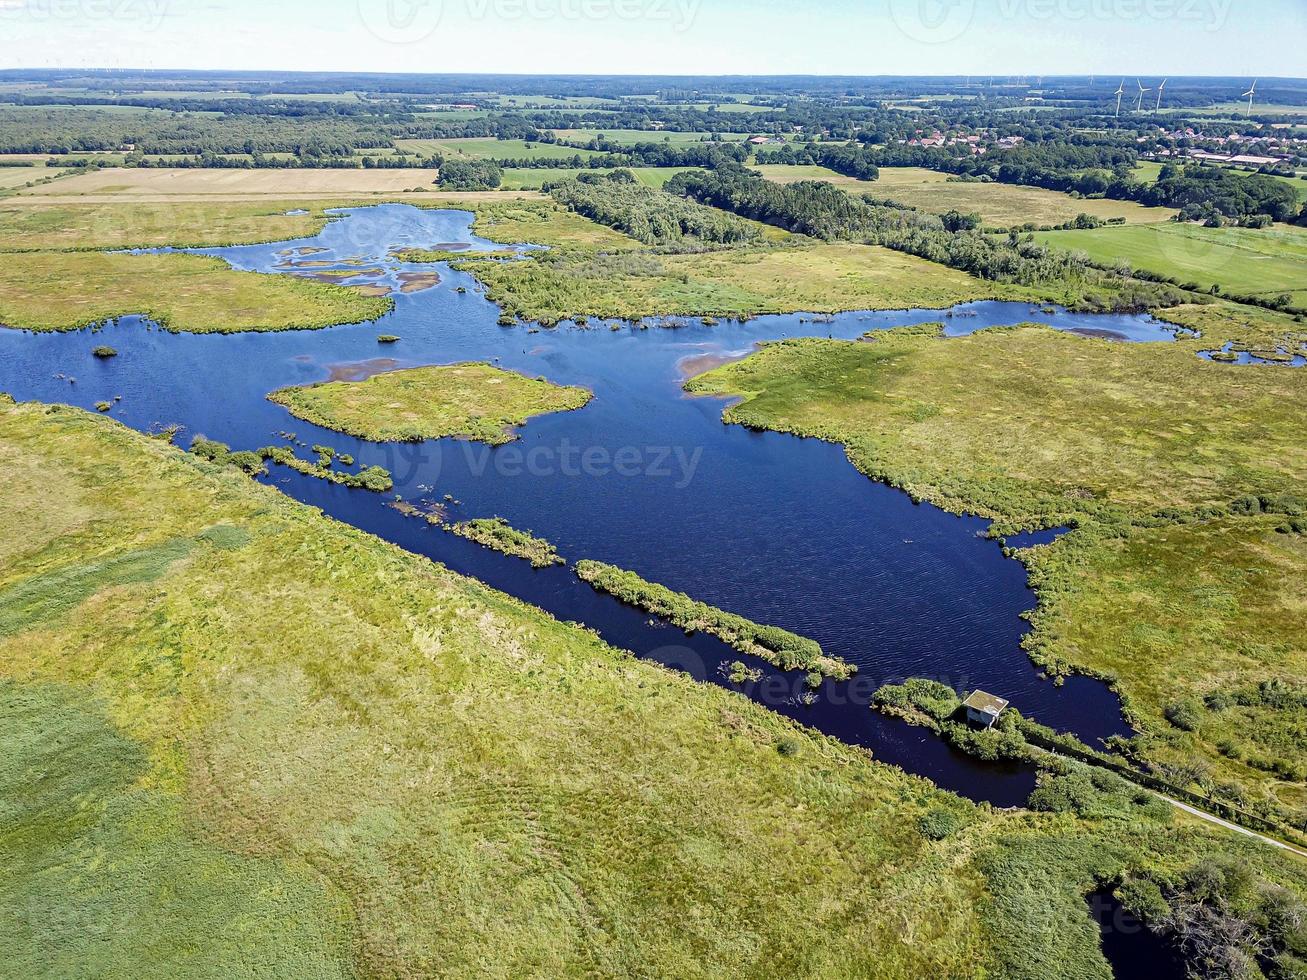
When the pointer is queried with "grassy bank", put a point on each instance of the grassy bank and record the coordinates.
(816, 277)
(1032, 425)
(293, 748)
(188, 293)
(472, 401)
(25, 226)
(1178, 586)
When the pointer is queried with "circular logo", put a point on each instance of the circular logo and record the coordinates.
(1190, 251)
(401, 21)
(932, 21)
(681, 658)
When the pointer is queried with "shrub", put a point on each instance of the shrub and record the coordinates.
(1144, 898)
(939, 824)
(1185, 714)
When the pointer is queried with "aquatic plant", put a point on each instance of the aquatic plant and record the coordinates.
(497, 534)
(786, 650)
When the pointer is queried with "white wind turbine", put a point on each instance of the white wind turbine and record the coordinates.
(1158, 107)
(1120, 91)
(1250, 95)
(1139, 106)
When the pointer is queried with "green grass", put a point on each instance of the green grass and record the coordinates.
(824, 277)
(470, 401)
(1144, 447)
(145, 225)
(787, 650)
(1180, 613)
(543, 223)
(628, 137)
(1030, 422)
(531, 178)
(300, 744)
(1244, 261)
(497, 534)
(483, 785)
(999, 205)
(489, 148)
(104, 877)
(186, 293)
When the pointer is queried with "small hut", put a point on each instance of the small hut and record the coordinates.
(983, 709)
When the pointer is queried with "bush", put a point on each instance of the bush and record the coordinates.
(104, 352)
(1186, 714)
(939, 824)
(1143, 898)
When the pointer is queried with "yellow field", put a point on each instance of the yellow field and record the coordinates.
(18, 176)
(998, 204)
(148, 183)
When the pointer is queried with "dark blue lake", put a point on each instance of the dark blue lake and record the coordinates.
(779, 529)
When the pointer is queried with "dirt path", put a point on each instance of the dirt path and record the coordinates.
(1211, 818)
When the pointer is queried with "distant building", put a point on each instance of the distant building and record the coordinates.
(984, 709)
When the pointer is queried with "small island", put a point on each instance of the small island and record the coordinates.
(474, 401)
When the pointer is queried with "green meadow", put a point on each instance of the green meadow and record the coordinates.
(1263, 262)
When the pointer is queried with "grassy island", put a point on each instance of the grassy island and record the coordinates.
(471, 401)
(497, 534)
(181, 292)
(786, 650)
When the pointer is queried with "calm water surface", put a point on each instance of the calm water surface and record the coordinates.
(780, 529)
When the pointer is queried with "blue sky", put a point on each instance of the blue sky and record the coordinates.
(871, 37)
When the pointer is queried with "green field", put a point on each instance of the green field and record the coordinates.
(1040, 428)
(191, 293)
(470, 401)
(999, 205)
(629, 136)
(531, 178)
(308, 752)
(1149, 170)
(1244, 261)
(29, 226)
(818, 278)
(489, 148)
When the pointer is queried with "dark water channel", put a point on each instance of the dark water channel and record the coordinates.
(779, 529)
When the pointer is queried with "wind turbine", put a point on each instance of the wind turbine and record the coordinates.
(1120, 91)
(1250, 95)
(1139, 106)
(1158, 108)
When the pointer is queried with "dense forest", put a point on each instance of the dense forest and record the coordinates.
(649, 215)
(824, 211)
